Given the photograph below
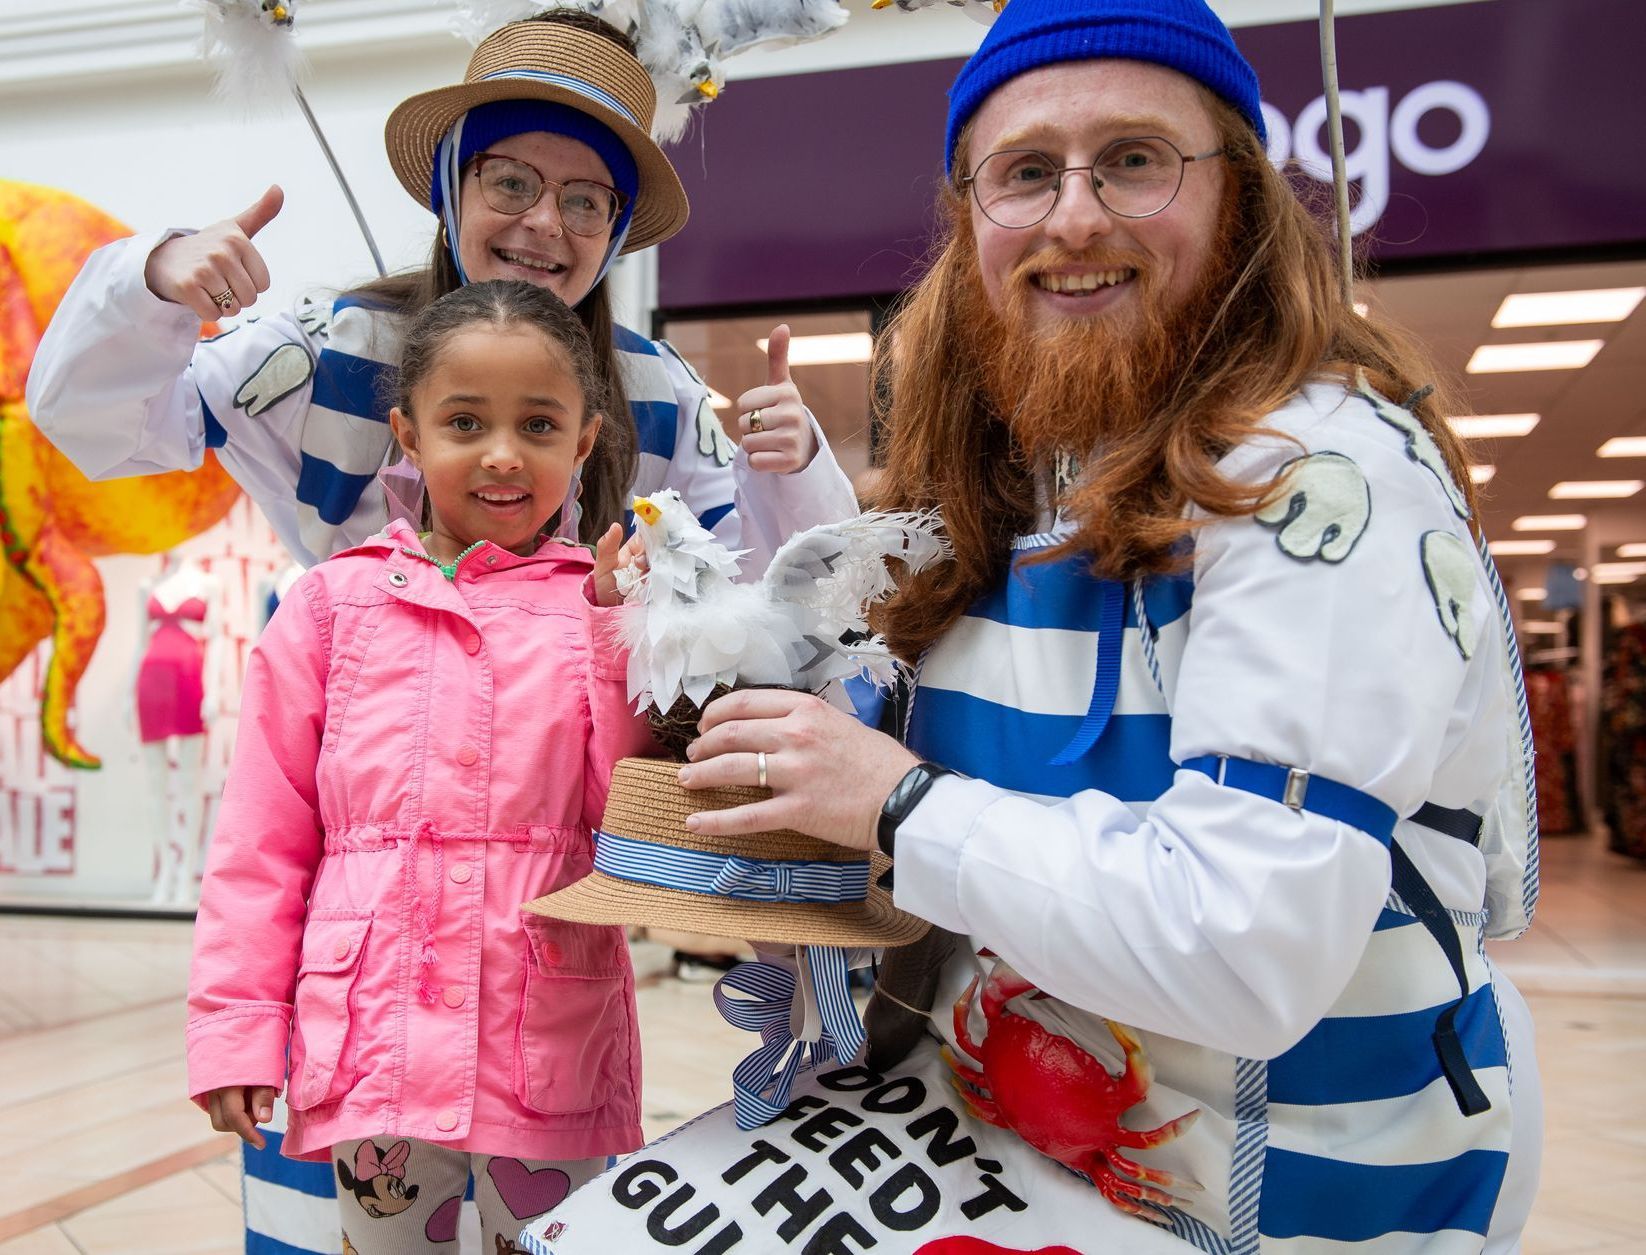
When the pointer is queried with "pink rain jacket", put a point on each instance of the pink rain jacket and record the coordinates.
(416, 758)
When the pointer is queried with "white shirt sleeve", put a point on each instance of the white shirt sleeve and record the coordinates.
(765, 509)
(1222, 918)
(123, 386)
(108, 384)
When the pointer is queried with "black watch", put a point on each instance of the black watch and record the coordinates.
(910, 789)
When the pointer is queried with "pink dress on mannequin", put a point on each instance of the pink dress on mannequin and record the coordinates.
(170, 681)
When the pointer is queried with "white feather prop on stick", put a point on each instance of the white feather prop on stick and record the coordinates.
(682, 43)
(733, 26)
(250, 45)
(689, 626)
(258, 63)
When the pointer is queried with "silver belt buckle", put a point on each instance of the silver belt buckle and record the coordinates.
(1297, 788)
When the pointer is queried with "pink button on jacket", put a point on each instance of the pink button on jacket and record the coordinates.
(416, 758)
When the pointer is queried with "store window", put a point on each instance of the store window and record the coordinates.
(828, 359)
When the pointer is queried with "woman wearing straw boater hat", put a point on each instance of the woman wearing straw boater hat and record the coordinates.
(538, 166)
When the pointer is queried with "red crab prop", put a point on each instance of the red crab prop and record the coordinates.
(1061, 1100)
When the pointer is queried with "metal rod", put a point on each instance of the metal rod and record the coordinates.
(1334, 133)
(342, 182)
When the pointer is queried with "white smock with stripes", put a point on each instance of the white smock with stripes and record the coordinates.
(296, 403)
(1279, 986)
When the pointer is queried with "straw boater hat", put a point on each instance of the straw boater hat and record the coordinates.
(562, 65)
(644, 846)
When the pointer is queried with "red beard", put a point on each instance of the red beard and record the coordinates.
(1072, 386)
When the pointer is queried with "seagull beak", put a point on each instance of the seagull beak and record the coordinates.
(646, 510)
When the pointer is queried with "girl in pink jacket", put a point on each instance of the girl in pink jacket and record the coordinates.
(427, 730)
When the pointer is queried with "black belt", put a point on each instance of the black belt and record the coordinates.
(1415, 892)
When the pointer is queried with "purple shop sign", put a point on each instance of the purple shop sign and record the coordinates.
(1505, 126)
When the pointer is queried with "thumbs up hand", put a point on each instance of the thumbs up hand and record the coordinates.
(217, 270)
(777, 432)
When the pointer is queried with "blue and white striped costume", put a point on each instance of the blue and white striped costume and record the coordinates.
(1280, 986)
(295, 406)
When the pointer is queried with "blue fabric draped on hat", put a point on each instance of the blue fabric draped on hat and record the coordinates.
(485, 125)
(1183, 35)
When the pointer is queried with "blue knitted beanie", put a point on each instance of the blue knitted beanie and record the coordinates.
(1183, 35)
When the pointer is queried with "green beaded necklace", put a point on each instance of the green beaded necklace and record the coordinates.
(448, 569)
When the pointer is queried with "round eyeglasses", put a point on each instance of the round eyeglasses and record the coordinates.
(512, 187)
(1133, 178)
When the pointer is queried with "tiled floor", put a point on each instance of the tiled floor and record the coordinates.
(99, 1154)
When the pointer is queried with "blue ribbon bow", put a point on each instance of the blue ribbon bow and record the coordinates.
(770, 990)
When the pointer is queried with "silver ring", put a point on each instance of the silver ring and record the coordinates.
(224, 300)
(760, 769)
(754, 421)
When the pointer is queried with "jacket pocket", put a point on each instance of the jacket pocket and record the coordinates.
(332, 952)
(572, 1037)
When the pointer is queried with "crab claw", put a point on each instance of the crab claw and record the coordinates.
(1004, 985)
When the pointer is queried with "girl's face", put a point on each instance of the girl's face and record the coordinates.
(497, 428)
(533, 246)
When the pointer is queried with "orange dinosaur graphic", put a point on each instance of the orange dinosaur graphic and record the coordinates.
(53, 520)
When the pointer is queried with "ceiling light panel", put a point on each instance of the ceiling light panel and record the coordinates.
(1550, 523)
(1635, 549)
(1481, 473)
(1595, 489)
(1521, 548)
(1531, 594)
(1493, 426)
(1623, 447)
(828, 350)
(1561, 309)
(1494, 359)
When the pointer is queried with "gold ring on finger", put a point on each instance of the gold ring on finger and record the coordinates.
(754, 422)
(760, 769)
(224, 300)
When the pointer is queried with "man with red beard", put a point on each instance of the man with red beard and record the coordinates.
(1214, 720)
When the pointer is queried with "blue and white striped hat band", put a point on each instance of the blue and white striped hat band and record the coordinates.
(780, 887)
(547, 60)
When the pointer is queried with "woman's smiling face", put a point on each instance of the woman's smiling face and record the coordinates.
(533, 246)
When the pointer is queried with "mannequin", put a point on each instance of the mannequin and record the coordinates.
(272, 590)
(169, 693)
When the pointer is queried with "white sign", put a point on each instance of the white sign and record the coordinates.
(1385, 136)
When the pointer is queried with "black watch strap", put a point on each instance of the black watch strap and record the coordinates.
(903, 799)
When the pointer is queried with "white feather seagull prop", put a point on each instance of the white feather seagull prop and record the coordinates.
(690, 626)
(251, 46)
(682, 43)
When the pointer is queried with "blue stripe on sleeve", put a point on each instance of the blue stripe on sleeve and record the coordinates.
(632, 341)
(1013, 749)
(216, 434)
(318, 1179)
(713, 515)
(351, 385)
(1330, 1200)
(333, 493)
(1347, 1059)
(656, 422)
